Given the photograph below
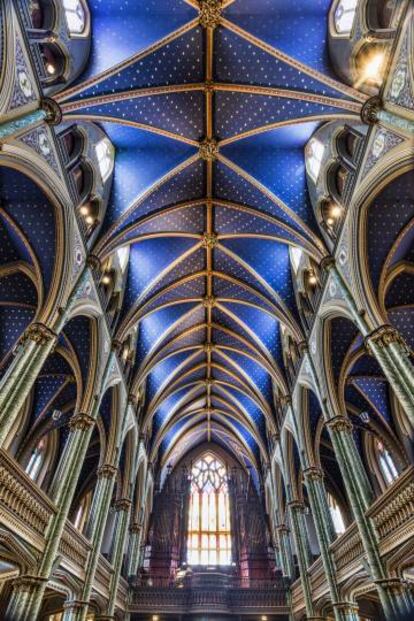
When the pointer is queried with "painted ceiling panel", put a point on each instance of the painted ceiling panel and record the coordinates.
(282, 23)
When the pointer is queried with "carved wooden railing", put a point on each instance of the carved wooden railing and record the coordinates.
(266, 596)
(26, 510)
(393, 517)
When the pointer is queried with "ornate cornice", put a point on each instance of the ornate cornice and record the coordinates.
(210, 13)
(81, 421)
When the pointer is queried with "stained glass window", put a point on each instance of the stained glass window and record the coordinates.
(387, 464)
(209, 533)
(344, 16)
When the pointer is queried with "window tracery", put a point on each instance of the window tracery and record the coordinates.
(336, 515)
(209, 532)
(75, 16)
(36, 460)
(105, 156)
(314, 153)
(387, 465)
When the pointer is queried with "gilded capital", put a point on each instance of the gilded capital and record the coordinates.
(313, 473)
(340, 423)
(296, 504)
(94, 262)
(107, 471)
(370, 109)
(81, 421)
(123, 504)
(384, 336)
(327, 262)
(39, 333)
(210, 13)
(52, 109)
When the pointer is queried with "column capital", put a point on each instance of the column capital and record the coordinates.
(339, 423)
(39, 333)
(313, 473)
(370, 109)
(28, 583)
(133, 399)
(75, 605)
(383, 336)
(123, 504)
(396, 585)
(286, 400)
(327, 262)
(52, 109)
(107, 471)
(81, 421)
(346, 607)
(135, 529)
(296, 504)
(303, 347)
(94, 262)
(282, 528)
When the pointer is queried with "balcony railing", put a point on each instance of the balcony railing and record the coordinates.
(232, 595)
(26, 510)
(393, 517)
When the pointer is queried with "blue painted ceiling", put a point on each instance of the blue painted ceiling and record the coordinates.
(258, 87)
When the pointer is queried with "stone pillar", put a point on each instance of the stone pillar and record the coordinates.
(343, 611)
(300, 537)
(123, 510)
(102, 501)
(385, 343)
(81, 426)
(285, 550)
(71, 609)
(26, 592)
(134, 549)
(35, 346)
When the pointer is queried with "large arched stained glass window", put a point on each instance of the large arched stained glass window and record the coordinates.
(209, 533)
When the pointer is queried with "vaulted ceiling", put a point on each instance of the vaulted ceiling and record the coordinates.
(209, 110)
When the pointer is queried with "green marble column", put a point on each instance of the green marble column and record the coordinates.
(373, 112)
(385, 343)
(285, 550)
(35, 345)
(300, 536)
(123, 510)
(103, 492)
(134, 550)
(25, 593)
(48, 111)
(81, 426)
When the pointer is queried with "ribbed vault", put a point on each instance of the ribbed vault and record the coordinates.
(209, 107)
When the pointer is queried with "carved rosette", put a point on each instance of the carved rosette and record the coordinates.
(340, 423)
(107, 471)
(210, 13)
(208, 150)
(384, 336)
(208, 348)
(209, 240)
(209, 301)
(81, 422)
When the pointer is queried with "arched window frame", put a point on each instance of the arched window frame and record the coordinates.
(78, 26)
(209, 525)
(105, 156)
(82, 511)
(336, 514)
(314, 155)
(386, 463)
(343, 17)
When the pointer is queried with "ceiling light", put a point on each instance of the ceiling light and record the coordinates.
(263, 618)
(51, 69)
(312, 278)
(335, 211)
(89, 219)
(372, 66)
(84, 210)
(155, 618)
(106, 279)
(330, 221)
